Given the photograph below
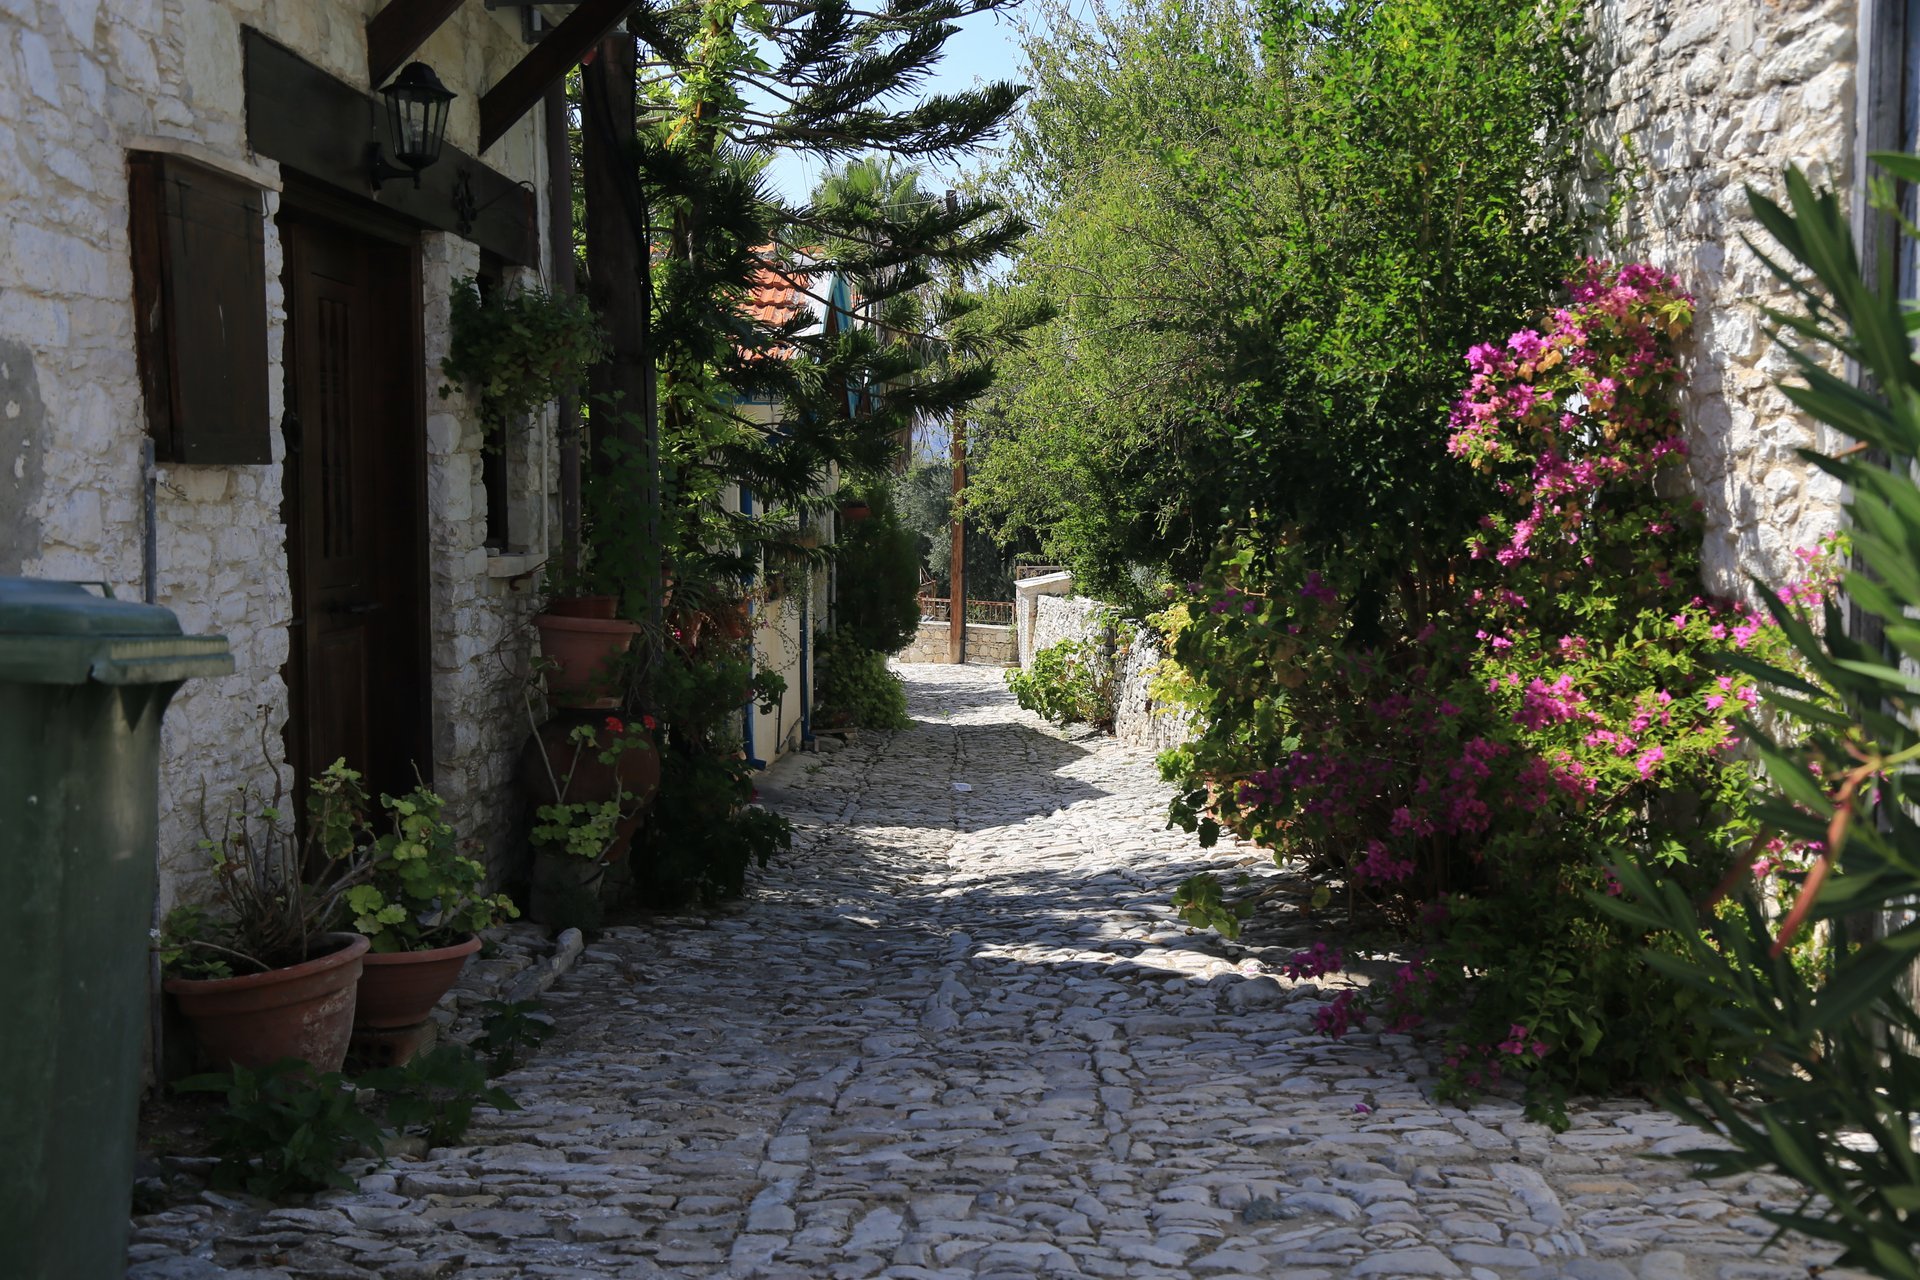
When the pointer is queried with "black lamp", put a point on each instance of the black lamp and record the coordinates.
(417, 116)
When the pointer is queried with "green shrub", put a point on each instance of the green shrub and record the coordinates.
(1462, 758)
(1071, 682)
(285, 1130)
(701, 833)
(434, 1093)
(857, 681)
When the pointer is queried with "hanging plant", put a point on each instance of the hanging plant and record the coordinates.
(518, 351)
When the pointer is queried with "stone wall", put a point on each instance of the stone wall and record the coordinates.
(988, 644)
(1139, 719)
(1027, 594)
(81, 84)
(1695, 99)
(991, 645)
(1058, 618)
(929, 643)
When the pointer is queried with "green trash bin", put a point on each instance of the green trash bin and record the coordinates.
(84, 680)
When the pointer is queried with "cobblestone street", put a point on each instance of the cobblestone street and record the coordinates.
(958, 1033)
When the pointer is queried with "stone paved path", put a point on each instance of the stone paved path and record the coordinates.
(960, 1035)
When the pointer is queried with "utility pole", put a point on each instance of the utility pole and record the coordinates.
(957, 564)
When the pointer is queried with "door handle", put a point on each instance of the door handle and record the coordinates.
(356, 610)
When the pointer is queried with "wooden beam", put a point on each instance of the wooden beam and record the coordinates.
(516, 92)
(399, 29)
(320, 126)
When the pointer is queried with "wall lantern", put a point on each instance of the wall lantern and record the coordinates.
(417, 115)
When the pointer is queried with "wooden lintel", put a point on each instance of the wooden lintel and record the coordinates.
(320, 126)
(399, 29)
(503, 105)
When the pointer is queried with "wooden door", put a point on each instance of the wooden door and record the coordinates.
(357, 671)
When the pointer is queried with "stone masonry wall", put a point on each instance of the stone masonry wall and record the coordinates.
(1139, 719)
(991, 645)
(81, 83)
(1696, 99)
(929, 644)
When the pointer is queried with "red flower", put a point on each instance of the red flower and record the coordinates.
(614, 725)
(649, 722)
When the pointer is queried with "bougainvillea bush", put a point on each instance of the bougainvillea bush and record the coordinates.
(1538, 705)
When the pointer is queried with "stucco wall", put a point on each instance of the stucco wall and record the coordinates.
(81, 83)
(1697, 99)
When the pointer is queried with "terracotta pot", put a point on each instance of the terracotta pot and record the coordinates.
(732, 621)
(400, 988)
(601, 607)
(593, 780)
(855, 512)
(586, 651)
(304, 1011)
(564, 888)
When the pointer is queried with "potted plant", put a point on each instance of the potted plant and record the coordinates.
(263, 975)
(421, 906)
(518, 350)
(590, 786)
(582, 643)
(854, 510)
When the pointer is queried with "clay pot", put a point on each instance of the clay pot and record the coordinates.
(565, 890)
(400, 988)
(593, 780)
(304, 1011)
(586, 651)
(601, 607)
(855, 512)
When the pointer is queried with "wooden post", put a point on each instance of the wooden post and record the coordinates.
(957, 571)
(560, 250)
(613, 247)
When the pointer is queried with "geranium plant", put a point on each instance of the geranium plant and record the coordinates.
(422, 891)
(588, 829)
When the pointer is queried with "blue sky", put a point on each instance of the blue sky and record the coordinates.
(987, 48)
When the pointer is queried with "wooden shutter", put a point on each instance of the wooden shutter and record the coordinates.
(200, 310)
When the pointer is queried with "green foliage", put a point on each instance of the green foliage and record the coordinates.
(518, 351)
(434, 1093)
(509, 1029)
(1833, 1097)
(924, 496)
(702, 833)
(1072, 682)
(285, 1130)
(1267, 231)
(879, 576)
(421, 892)
(1201, 902)
(858, 681)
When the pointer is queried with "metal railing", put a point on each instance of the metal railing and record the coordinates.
(1021, 572)
(991, 612)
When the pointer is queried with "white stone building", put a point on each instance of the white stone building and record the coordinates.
(1695, 100)
(316, 497)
